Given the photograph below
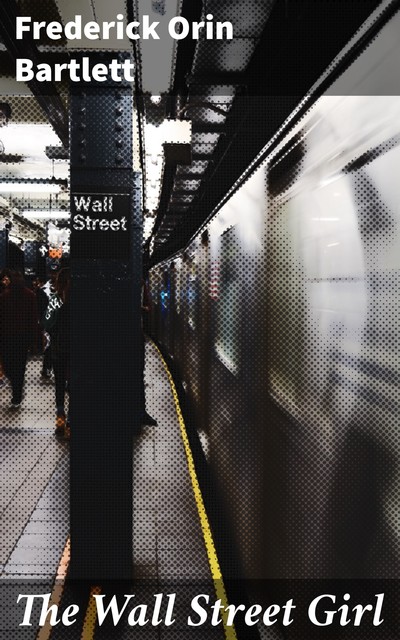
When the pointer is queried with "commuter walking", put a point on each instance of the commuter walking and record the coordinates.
(57, 323)
(42, 300)
(146, 418)
(19, 330)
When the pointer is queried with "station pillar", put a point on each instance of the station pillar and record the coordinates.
(3, 248)
(106, 238)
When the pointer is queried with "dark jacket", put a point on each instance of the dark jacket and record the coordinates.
(41, 301)
(18, 315)
(57, 323)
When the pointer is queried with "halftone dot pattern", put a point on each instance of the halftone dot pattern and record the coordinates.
(35, 465)
(289, 358)
(296, 415)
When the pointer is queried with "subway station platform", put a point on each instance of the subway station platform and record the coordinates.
(171, 538)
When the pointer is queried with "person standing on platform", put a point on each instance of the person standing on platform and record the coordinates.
(146, 419)
(19, 329)
(57, 323)
(42, 300)
(3, 285)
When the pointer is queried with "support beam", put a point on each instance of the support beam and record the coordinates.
(105, 328)
(45, 92)
(220, 80)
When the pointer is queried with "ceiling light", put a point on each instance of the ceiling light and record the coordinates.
(5, 113)
(45, 215)
(29, 187)
(155, 99)
(15, 239)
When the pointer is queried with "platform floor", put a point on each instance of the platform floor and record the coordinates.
(168, 545)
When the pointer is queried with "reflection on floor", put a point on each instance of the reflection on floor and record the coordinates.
(168, 547)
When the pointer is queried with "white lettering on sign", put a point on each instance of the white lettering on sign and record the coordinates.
(87, 205)
(97, 205)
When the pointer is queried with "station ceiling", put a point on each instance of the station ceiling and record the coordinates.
(234, 94)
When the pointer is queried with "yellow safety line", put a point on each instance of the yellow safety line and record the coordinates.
(230, 633)
(58, 589)
(89, 623)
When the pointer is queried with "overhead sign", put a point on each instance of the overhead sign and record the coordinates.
(100, 223)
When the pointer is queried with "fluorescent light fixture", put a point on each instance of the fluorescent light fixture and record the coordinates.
(29, 187)
(29, 140)
(45, 215)
(148, 227)
(15, 239)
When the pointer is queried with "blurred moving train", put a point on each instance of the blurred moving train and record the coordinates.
(282, 318)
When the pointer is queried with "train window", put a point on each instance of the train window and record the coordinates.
(333, 264)
(286, 166)
(178, 290)
(165, 293)
(155, 284)
(228, 304)
(192, 295)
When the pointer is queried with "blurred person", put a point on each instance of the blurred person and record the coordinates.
(3, 379)
(57, 323)
(18, 330)
(50, 285)
(146, 418)
(4, 274)
(42, 300)
(5, 279)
